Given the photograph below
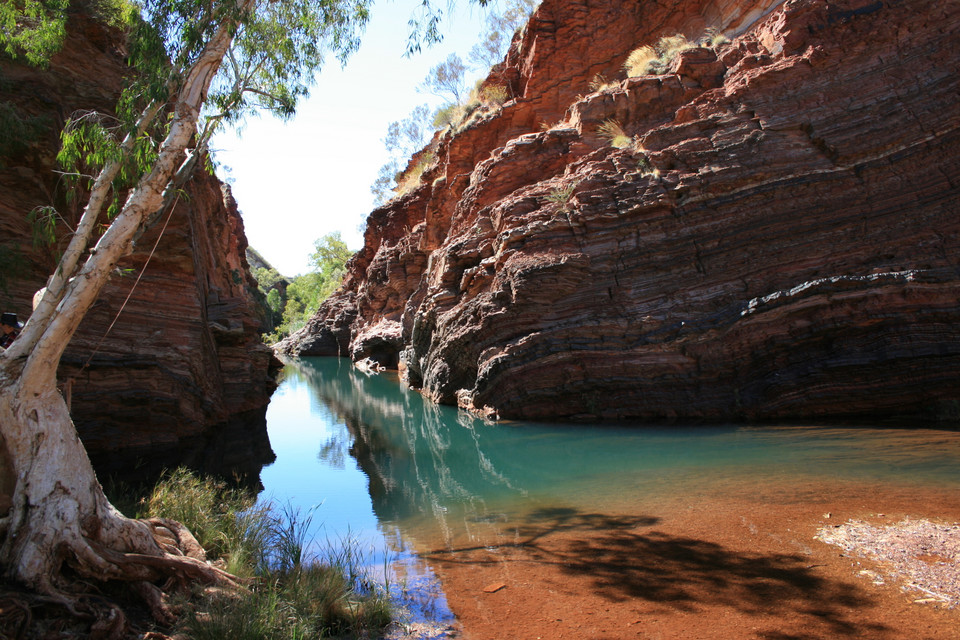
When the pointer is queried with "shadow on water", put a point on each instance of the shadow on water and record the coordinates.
(625, 560)
(235, 450)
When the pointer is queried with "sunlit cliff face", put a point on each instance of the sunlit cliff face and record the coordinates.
(770, 239)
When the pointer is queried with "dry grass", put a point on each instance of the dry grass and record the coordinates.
(613, 131)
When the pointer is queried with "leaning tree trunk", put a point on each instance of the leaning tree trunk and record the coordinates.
(59, 513)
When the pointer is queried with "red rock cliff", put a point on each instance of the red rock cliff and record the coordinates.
(781, 240)
(184, 359)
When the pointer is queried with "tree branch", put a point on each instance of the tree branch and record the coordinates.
(117, 241)
(56, 285)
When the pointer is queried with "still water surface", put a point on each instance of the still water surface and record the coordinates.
(373, 462)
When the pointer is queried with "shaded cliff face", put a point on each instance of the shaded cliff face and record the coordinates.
(781, 240)
(183, 364)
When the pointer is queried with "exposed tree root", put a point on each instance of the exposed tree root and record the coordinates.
(137, 566)
(156, 602)
(176, 561)
(15, 617)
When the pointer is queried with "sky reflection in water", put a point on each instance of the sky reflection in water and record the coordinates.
(377, 463)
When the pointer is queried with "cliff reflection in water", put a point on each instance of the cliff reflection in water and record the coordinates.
(436, 466)
(420, 458)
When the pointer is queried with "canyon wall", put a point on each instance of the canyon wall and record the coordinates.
(176, 374)
(779, 239)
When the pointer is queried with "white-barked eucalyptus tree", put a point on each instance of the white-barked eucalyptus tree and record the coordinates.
(194, 65)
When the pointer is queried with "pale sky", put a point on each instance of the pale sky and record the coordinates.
(297, 181)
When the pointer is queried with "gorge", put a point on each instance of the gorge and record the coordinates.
(779, 238)
(767, 231)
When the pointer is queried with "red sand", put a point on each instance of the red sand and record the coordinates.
(701, 567)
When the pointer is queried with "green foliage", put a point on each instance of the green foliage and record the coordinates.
(329, 258)
(561, 196)
(612, 130)
(205, 506)
(266, 277)
(275, 301)
(32, 29)
(43, 226)
(89, 142)
(292, 593)
(271, 285)
(115, 13)
(307, 292)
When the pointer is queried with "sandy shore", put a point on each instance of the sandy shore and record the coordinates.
(701, 567)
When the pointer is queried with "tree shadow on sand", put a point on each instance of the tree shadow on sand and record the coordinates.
(626, 560)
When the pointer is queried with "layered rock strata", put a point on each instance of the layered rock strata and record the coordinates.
(779, 238)
(164, 377)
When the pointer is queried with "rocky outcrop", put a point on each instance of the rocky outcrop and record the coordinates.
(165, 376)
(779, 240)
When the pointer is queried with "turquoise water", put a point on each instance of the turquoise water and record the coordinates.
(372, 461)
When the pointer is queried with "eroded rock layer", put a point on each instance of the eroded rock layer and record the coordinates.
(166, 380)
(779, 238)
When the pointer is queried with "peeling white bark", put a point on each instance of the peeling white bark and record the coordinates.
(59, 513)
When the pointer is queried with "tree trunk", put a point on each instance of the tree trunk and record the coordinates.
(59, 513)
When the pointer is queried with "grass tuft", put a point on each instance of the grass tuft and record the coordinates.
(612, 130)
(561, 196)
(640, 61)
(656, 59)
(411, 178)
(292, 594)
(600, 83)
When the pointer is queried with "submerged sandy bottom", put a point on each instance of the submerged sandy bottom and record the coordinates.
(728, 561)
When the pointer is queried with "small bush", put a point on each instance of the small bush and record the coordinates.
(613, 131)
(207, 507)
(656, 59)
(644, 165)
(410, 179)
(640, 61)
(561, 196)
(448, 116)
(493, 96)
